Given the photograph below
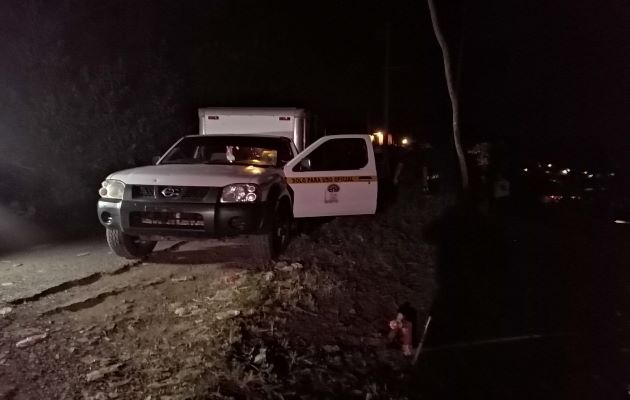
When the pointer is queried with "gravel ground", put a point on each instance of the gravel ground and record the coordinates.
(197, 321)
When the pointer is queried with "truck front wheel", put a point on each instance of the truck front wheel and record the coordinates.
(268, 246)
(127, 246)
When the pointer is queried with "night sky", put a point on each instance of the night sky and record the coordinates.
(548, 78)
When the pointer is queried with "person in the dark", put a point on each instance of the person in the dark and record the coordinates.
(389, 167)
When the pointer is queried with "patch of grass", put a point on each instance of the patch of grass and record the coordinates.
(318, 331)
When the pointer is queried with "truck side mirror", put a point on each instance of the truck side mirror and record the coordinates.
(155, 159)
(305, 164)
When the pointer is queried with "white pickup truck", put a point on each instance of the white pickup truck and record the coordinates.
(241, 176)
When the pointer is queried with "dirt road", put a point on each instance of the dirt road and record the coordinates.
(77, 297)
(45, 269)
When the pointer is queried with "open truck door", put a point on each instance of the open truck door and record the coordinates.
(334, 176)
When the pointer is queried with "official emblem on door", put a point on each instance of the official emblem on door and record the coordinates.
(332, 194)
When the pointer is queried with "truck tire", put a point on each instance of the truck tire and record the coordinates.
(270, 245)
(130, 247)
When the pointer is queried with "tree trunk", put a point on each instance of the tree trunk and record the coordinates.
(448, 72)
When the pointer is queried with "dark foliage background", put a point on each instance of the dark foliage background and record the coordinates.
(83, 96)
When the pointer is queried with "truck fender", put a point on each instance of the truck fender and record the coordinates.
(278, 197)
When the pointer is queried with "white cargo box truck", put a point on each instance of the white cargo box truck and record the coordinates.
(284, 122)
(248, 173)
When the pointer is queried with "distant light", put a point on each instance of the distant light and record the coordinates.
(585, 172)
(405, 141)
(621, 221)
(590, 175)
(552, 198)
(549, 165)
(612, 174)
(525, 170)
(379, 137)
(565, 171)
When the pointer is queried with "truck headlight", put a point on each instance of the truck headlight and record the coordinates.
(112, 189)
(239, 193)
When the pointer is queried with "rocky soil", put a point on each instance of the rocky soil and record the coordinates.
(313, 325)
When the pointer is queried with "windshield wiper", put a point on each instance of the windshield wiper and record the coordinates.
(179, 162)
(252, 164)
(236, 163)
(217, 162)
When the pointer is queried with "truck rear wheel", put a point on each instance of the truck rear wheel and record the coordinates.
(130, 247)
(270, 245)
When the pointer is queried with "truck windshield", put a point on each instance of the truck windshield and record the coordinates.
(227, 150)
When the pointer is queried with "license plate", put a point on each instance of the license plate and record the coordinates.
(172, 222)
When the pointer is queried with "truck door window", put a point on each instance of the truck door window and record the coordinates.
(285, 154)
(337, 155)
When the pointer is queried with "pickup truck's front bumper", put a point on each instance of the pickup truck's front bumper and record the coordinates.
(150, 219)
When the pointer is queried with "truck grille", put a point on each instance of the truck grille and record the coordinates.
(174, 193)
(177, 220)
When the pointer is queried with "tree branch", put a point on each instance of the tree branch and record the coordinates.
(448, 72)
